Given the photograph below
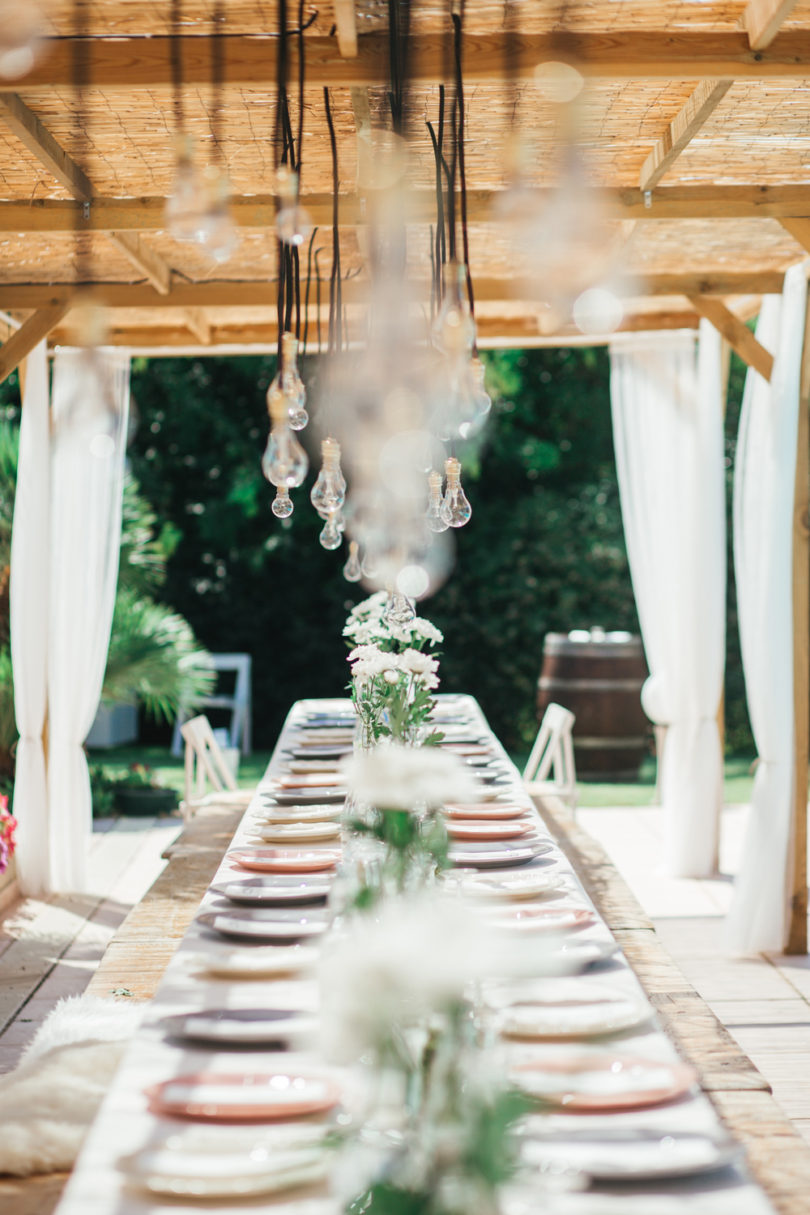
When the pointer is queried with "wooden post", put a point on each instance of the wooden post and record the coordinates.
(797, 872)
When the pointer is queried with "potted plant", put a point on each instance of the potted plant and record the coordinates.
(138, 792)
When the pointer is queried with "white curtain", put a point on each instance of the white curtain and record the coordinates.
(764, 477)
(666, 397)
(90, 408)
(29, 624)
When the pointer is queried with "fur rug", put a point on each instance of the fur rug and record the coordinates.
(49, 1101)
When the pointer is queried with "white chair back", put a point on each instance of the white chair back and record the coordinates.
(204, 760)
(551, 767)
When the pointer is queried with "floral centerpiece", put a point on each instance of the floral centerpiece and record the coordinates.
(434, 1135)
(404, 788)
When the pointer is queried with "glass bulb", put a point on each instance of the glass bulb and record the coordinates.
(187, 205)
(329, 491)
(368, 566)
(433, 514)
(453, 330)
(352, 570)
(456, 509)
(282, 506)
(399, 609)
(298, 419)
(483, 399)
(284, 462)
(288, 383)
(219, 234)
(462, 410)
(21, 32)
(331, 536)
(293, 225)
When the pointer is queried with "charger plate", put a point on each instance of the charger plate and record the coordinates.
(589, 1083)
(275, 889)
(243, 1096)
(285, 860)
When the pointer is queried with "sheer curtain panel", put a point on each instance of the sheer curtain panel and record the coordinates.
(90, 408)
(28, 596)
(764, 476)
(666, 399)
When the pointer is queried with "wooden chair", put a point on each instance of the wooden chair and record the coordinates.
(205, 764)
(551, 767)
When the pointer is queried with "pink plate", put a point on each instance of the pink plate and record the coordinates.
(463, 829)
(545, 919)
(581, 1083)
(489, 810)
(286, 860)
(240, 1097)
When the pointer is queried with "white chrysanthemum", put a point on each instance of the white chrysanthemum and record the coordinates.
(394, 777)
(418, 628)
(364, 632)
(416, 955)
(371, 608)
(368, 661)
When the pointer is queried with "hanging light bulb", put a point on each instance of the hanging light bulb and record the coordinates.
(187, 205)
(331, 536)
(217, 231)
(483, 399)
(21, 33)
(435, 521)
(287, 382)
(293, 222)
(368, 566)
(453, 330)
(282, 506)
(456, 509)
(460, 409)
(399, 609)
(329, 491)
(284, 462)
(352, 570)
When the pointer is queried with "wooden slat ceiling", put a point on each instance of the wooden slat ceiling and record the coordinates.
(711, 225)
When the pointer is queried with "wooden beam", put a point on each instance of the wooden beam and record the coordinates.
(799, 229)
(198, 324)
(38, 139)
(762, 20)
(346, 28)
(230, 338)
(154, 267)
(735, 332)
(261, 293)
(130, 64)
(682, 130)
(21, 343)
(796, 942)
(666, 202)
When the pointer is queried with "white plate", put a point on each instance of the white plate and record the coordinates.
(241, 1026)
(629, 1155)
(265, 924)
(295, 814)
(530, 884)
(174, 1175)
(262, 963)
(493, 855)
(562, 1014)
(298, 833)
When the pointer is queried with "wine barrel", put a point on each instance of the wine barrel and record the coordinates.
(598, 676)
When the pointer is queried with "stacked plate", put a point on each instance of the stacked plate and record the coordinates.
(277, 924)
(275, 890)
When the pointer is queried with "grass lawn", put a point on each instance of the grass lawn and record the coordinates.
(169, 772)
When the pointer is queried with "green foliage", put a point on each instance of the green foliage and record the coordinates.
(9, 456)
(544, 550)
(154, 656)
(102, 792)
(8, 725)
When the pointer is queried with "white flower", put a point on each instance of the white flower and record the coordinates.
(368, 661)
(371, 608)
(394, 777)
(416, 628)
(364, 632)
(414, 956)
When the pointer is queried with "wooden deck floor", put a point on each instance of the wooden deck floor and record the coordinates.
(51, 948)
(763, 1002)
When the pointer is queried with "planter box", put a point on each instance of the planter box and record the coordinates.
(115, 725)
(145, 801)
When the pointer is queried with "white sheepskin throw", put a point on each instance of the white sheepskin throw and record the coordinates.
(48, 1103)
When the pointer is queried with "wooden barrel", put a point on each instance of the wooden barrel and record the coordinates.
(598, 676)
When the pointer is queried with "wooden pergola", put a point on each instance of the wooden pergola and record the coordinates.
(695, 122)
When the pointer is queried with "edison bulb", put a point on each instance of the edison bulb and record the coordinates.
(284, 462)
(282, 506)
(331, 536)
(352, 570)
(456, 509)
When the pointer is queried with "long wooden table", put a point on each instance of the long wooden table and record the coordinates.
(124, 1124)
